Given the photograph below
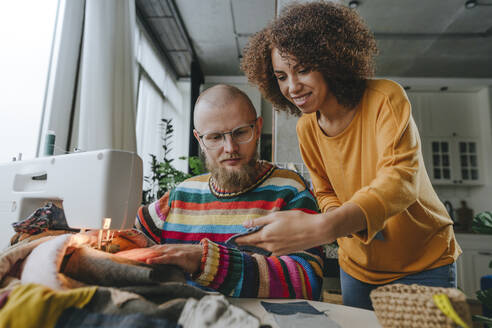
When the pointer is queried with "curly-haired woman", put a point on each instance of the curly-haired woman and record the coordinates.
(362, 148)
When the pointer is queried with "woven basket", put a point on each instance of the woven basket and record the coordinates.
(399, 305)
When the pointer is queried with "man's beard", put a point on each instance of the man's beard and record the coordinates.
(234, 180)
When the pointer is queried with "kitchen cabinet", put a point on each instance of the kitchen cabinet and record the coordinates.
(446, 114)
(449, 128)
(474, 262)
(453, 160)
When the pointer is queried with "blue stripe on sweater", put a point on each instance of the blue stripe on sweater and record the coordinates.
(313, 279)
(193, 190)
(239, 285)
(275, 188)
(303, 194)
(206, 228)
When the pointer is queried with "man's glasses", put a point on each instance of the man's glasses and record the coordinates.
(241, 134)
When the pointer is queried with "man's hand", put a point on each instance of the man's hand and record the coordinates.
(188, 257)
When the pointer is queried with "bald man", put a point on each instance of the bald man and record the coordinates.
(192, 222)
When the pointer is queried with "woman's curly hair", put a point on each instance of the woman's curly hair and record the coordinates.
(321, 36)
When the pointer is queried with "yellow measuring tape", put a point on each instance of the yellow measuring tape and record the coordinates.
(444, 304)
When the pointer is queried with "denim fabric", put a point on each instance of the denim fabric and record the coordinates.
(231, 242)
(290, 308)
(356, 293)
(485, 284)
(298, 314)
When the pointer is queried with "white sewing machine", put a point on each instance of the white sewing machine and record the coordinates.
(92, 187)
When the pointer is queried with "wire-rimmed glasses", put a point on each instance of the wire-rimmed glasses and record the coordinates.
(241, 134)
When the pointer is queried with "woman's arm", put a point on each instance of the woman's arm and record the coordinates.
(398, 168)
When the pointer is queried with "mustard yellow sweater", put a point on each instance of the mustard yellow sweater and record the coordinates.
(377, 164)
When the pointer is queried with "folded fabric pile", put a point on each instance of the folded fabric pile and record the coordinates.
(60, 281)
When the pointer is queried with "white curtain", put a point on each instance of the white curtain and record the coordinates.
(107, 77)
(150, 113)
(159, 97)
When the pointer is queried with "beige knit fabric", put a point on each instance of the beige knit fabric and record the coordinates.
(399, 305)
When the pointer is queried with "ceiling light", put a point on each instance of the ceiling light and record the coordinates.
(407, 87)
(470, 4)
(353, 4)
(444, 88)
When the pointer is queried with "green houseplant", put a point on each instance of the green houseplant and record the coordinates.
(482, 223)
(164, 176)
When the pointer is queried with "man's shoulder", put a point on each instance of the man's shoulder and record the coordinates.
(286, 178)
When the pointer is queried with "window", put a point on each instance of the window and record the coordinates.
(26, 33)
(159, 97)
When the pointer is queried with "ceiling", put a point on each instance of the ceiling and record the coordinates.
(431, 38)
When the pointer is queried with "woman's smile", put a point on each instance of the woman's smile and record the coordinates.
(301, 100)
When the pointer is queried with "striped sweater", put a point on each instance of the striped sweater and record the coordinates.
(192, 213)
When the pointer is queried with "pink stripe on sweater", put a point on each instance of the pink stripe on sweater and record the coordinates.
(293, 275)
(276, 290)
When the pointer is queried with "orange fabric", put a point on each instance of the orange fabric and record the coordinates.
(377, 164)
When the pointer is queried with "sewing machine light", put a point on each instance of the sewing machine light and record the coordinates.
(106, 223)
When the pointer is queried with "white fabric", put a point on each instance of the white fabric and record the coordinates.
(42, 266)
(214, 311)
(19, 251)
(107, 76)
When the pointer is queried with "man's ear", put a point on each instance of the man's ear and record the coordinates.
(259, 125)
(197, 137)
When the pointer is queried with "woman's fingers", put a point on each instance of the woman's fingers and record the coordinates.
(253, 239)
(260, 221)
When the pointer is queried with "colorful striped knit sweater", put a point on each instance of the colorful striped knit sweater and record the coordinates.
(191, 213)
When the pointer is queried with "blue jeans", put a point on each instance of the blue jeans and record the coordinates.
(356, 293)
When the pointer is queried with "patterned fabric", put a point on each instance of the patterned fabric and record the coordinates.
(47, 217)
(192, 213)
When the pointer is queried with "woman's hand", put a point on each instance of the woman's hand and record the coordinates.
(187, 257)
(286, 232)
